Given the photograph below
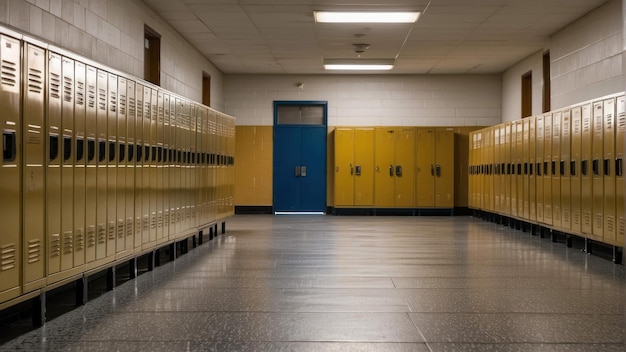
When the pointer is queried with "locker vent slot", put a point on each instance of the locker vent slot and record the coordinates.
(79, 240)
(68, 243)
(91, 236)
(610, 223)
(67, 89)
(55, 245)
(111, 231)
(113, 102)
(80, 93)
(102, 99)
(101, 234)
(146, 222)
(55, 85)
(153, 221)
(9, 73)
(35, 81)
(91, 96)
(34, 251)
(122, 104)
(138, 225)
(7, 257)
(131, 107)
(160, 220)
(120, 228)
(129, 227)
(9, 146)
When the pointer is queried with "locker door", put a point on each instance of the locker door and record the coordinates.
(608, 168)
(620, 127)
(139, 191)
(566, 174)
(10, 166)
(539, 159)
(151, 162)
(508, 184)
(53, 170)
(67, 165)
(444, 169)
(470, 172)
(575, 171)
(547, 169)
(122, 150)
(425, 176)
(102, 186)
(597, 155)
(131, 151)
(519, 168)
(502, 169)
(112, 166)
(384, 190)
(364, 167)
(166, 165)
(586, 197)
(91, 168)
(192, 168)
(525, 213)
(513, 162)
(532, 179)
(33, 206)
(496, 170)
(404, 167)
(146, 193)
(487, 177)
(555, 169)
(344, 167)
(80, 164)
(161, 237)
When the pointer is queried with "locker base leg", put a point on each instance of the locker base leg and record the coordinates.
(553, 236)
(200, 237)
(542, 232)
(184, 246)
(81, 291)
(211, 233)
(172, 252)
(111, 278)
(569, 241)
(588, 246)
(223, 227)
(617, 255)
(39, 309)
(132, 268)
(215, 230)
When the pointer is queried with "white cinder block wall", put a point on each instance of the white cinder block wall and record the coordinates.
(111, 32)
(371, 100)
(586, 63)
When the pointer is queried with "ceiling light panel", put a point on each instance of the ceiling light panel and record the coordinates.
(365, 17)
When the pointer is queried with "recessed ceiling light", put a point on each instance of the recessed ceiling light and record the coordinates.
(365, 17)
(359, 64)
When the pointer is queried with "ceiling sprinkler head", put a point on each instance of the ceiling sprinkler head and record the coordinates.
(360, 48)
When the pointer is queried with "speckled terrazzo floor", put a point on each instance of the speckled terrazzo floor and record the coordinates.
(325, 283)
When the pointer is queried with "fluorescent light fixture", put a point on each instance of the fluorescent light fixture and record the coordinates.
(359, 64)
(365, 17)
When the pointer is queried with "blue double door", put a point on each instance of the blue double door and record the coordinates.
(300, 168)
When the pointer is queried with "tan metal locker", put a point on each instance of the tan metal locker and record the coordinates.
(586, 197)
(497, 180)
(91, 168)
(152, 164)
(525, 174)
(161, 236)
(519, 168)
(177, 177)
(344, 167)
(191, 166)
(67, 165)
(575, 171)
(503, 185)
(80, 154)
(146, 194)
(608, 173)
(444, 169)
(139, 149)
(111, 162)
(480, 172)
(102, 186)
(597, 155)
(620, 126)
(555, 170)
(470, 172)
(122, 165)
(565, 170)
(539, 160)
(547, 169)
(131, 151)
(532, 161)
(425, 176)
(166, 165)
(513, 168)
(508, 183)
(201, 166)
(33, 198)
(53, 169)
(487, 190)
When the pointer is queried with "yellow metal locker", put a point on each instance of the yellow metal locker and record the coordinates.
(502, 155)
(555, 170)
(139, 184)
(384, 190)
(10, 167)
(525, 174)
(547, 169)
(597, 156)
(470, 172)
(620, 128)
(586, 197)
(608, 172)
(508, 180)
(518, 170)
(404, 167)
(565, 170)
(532, 178)
(425, 176)
(151, 163)
(575, 170)
(91, 169)
(111, 161)
(497, 180)
(444, 169)
(53, 170)
(33, 247)
(131, 151)
(67, 165)
(539, 160)
(80, 154)
(122, 165)
(487, 190)
(344, 167)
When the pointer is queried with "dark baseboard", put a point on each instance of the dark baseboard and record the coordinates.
(254, 209)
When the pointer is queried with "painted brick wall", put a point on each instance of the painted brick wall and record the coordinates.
(371, 100)
(111, 32)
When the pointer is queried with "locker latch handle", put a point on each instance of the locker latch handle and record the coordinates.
(391, 170)
(398, 170)
(91, 150)
(438, 170)
(538, 169)
(596, 167)
(131, 152)
(351, 170)
(357, 170)
(562, 168)
(432, 170)
(583, 167)
(9, 146)
(67, 148)
(297, 171)
(618, 167)
(303, 171)
(122, 152)
(112, 151)
(607, 167)
(54, 146)
(101, 150)
(572, 168)
(80, 149)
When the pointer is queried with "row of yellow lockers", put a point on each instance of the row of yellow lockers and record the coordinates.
(399, 167)
(561, 169)
(98, 166)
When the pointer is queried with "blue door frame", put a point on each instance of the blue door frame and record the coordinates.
(299, 182)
